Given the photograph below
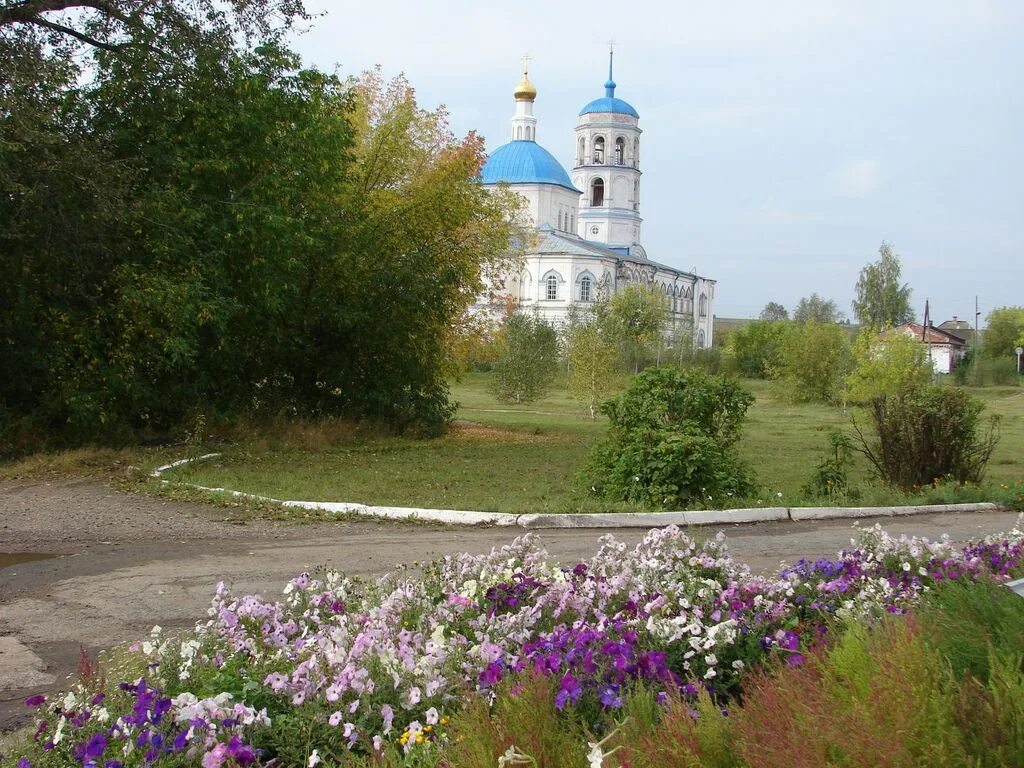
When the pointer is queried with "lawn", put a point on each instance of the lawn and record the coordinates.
(525, 458)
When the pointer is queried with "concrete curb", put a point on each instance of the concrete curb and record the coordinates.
(584, 520)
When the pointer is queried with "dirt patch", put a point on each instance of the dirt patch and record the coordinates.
(471, 431)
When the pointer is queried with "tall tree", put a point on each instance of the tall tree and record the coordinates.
(773, 312)
(881, 302)
(528, 360)
(1004, 331)
(814, 308)
(637, 317)
(593, 364)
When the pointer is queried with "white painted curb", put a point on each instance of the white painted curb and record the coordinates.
(586, 520)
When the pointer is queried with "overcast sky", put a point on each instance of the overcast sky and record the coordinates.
(783, 140)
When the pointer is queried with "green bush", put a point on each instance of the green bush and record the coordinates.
(926, 434)
(672, 440)
(755, 349)
(980, 371)
(813, 360)
(528, 360)
(830, 480)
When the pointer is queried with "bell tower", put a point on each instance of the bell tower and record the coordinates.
(607, 169)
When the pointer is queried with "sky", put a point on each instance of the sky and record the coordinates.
(783, 141)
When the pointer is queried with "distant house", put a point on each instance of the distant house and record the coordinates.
(944, 348)
(959, 328)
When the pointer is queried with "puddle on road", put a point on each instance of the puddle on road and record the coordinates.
(14, 558)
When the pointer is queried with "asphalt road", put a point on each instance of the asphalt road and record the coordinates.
(128, 562)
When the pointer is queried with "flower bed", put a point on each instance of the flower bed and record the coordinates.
(340, 667)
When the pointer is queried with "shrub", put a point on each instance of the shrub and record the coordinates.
(925, 434)
(672, 440)
(813, 360)
(886, 363)
(754, 350)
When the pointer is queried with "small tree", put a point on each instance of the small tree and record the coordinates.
(1004, 331)
(528, 360)
(773, 312)
(881, 301)
(813, 360)
(637, 317)
(886, 363)
(814, 308)
(593, 364)
(672, 440)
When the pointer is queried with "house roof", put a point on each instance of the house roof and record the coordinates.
(551, 241)
(933, 335)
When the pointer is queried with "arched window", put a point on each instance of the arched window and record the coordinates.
(636, 195)
(703, 305)
(551, 292)
(559, 219)
(572, 222)
(701, 340)
(597, 192)
(620, 151)
(586, 289)
(581, 155)
(519, 132)
(599, 150)
(636, 153)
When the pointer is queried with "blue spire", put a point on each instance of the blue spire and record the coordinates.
(609, 86)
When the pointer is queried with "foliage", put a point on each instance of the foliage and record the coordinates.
(528, 360)
(637, 317)
(886, 363)
(672, 440)
(881, 302)
(831, 478)
(755, 349)
(921, 435)
(246, 237)
(813, 360)
(1004, 332)
(978, 370)
(773, 312)
(816, 309)
(593, 362)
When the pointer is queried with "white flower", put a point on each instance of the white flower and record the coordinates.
(738, 665)
(711, 659)
(906, 567)
(314, 759)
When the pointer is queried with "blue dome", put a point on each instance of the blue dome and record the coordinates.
(524, 162)
(610, 104)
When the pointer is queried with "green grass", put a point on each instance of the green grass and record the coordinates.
(524, 459)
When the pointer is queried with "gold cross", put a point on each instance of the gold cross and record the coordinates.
(526, 64)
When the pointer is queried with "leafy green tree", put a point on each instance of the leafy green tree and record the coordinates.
(886, 363)
(881, 301)
(637, 318)
(528, 361)
(815, 309)
(754, 349)
(1004, 331)
(813, 361)
(672, 440)
(594, 366)
(773, 312)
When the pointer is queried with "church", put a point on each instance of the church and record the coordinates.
(585, 231)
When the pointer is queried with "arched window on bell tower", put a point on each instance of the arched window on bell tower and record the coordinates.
(636, 153)
(599, 150)
(620, 151)
(636, 195)
(581, 155)
(597, 192)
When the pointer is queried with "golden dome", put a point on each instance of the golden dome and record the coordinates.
(525, 89)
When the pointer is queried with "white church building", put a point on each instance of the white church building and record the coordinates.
(585, 232)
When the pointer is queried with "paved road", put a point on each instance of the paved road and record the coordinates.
(128, 562)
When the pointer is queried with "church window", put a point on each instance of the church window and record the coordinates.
(636, 153)
(597, 192)
(572, 222)
(703, 305)
(636, 195)
(559, 219)
(519, 132)
(599, 150)
(701, 339)
(620, 150)
(581, 156)
(586, 291)
(552, 288)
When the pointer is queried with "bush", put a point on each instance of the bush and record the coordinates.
(528, 360)
(831, 479)
(926, 434)
(672, 440)
(813, 359)
(754, 350)
(980, 371)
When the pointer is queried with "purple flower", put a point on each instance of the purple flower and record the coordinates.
(35, 701)
(569, 692)
(491, 674)
(24, 763)
(96, 746)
